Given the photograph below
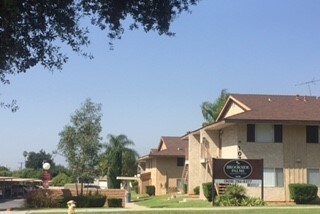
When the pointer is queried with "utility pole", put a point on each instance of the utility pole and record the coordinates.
(20, 164)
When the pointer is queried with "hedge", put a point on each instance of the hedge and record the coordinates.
(207, 190)
(303, 193)
(151, 190)
(49, 199)
(114, 202)
(185, 188)
(86, 200)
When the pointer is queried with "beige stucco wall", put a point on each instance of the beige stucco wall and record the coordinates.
(271, 153)
(194, 178)
(233, 109)
(167, 174)
(294, 155)
(212, 137)
(270, 193)
(229, 144)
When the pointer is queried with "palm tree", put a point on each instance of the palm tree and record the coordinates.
(210, 111)
(119, 159)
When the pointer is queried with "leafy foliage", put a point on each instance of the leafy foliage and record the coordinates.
(28, 173)
(235, 195)
(80, 141)
(57, 169)
(211, 111)
(11, 106)
(4, 171)
(31, 32)
(114, 202)
(90, 200)
(42, 198)
(303, 193)
(135, 186)
(36, 159)
(61, 179)
(207, 190)
(118, 159)
(151, 190)
(196, 190)
(185, 188)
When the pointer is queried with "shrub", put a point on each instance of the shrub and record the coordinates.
(85, 200)
(235, 195)
(196, 190)
(303, 193)
(42, 198)
(185, 188)
(114, 202)
(151, 190)
(61, 179)
(135, 186)
(235, 191)
(207, 190)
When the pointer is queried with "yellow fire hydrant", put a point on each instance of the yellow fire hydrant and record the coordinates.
(71, 206)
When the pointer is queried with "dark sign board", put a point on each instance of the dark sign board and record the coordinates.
(237, 169)
(233, 171)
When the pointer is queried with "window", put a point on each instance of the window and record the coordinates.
(273, 177)
(312, 134)
(313, 176)
(264, 133)
(180, 161)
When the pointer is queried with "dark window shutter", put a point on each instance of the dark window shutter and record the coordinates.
(312, 133)
(251, 133)
(278, 133)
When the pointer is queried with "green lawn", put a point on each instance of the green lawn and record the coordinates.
(169, 202)
(160, 205)
(236, 211)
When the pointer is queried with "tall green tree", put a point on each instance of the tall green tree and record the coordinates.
(4, 171)
(35, 160)
(31, 32)
(210, 111)
(80, 142)
(120, 159)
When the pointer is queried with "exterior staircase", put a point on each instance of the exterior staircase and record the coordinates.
(221, 188)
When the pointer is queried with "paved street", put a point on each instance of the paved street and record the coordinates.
(11, 203)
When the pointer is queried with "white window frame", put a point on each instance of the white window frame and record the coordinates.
(273, 177)
(264, 133)
(314, 180)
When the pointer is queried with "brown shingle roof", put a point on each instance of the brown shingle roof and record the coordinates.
(277, 108)
(175, 146)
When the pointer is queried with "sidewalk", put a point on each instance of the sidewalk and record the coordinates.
(129, 207)
(134, 207)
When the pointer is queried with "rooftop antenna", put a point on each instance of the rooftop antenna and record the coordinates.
(313, 81)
